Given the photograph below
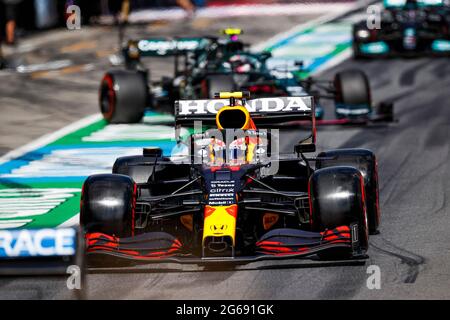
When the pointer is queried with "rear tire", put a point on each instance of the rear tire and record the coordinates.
(123, 96)
(366, 162)
(352, 88)
(337, 199)
(108, 205)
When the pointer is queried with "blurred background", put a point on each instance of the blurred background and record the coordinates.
(51, 65)
(43, 14)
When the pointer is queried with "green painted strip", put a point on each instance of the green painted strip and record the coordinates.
(58, 215)
(76, 137)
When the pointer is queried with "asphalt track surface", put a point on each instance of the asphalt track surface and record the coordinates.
(412, 250)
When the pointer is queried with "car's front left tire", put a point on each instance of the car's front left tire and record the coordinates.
(108, 204)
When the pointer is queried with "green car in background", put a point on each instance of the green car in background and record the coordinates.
(207, 65)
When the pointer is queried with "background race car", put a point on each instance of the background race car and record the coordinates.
(204, 66)
(407, 28)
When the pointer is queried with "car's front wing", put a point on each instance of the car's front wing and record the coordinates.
(159, 247)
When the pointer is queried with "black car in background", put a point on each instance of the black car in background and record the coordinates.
(407, 28)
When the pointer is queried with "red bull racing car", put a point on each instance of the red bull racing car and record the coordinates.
(229, 195)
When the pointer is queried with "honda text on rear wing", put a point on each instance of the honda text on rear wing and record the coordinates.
(264, 112)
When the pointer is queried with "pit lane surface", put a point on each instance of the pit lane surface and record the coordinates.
(412, 249)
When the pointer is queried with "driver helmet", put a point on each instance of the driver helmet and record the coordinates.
(241, 64)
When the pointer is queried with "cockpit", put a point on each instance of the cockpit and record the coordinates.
(250, 147)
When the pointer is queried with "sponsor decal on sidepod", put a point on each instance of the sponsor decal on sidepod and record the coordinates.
(163, 47)
(37, 243)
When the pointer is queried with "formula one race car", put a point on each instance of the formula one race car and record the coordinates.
(407, 28)
(204, 66)
(228, 195)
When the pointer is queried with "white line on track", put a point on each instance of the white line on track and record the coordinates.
(72, 222)
(314, 23)
(341, 57)
(301, 27)
(12, 224)
(49, 138)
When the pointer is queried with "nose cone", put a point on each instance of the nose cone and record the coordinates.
(220, 221)
(218, 229)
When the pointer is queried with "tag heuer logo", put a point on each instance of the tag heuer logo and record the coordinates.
(162, 47)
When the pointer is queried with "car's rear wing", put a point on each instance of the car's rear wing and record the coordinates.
(265, 112)
(160, 47)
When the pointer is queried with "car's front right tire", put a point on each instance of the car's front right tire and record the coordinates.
(337, 199)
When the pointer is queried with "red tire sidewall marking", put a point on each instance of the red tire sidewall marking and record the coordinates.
(377, 195)
(133, 209)
(111, 96)
(363, 202)
(310, 204)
